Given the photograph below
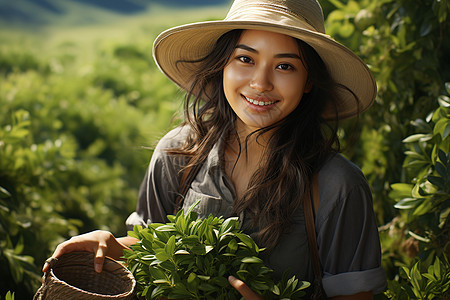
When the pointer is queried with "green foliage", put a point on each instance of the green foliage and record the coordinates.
(418, 282)
(424, 203)
(190, 258)
(404, 44)
(9, 296)
(71, 145)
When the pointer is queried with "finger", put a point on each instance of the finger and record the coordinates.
(99, 258)
(242, 288)
(46, 267)
(62, 248)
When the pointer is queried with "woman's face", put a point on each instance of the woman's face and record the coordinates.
(265, 78)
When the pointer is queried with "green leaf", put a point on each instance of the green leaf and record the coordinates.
(206, 287)
(168, 265)
(261, 286)
(9, 296)
(4, 194)
(446, 132)
(420, 137)
(252, 260)
(442, 157)
(276, 290)
(443, 217)
(418, 237)
(248, 241)
(166, 228)
(181, 224)
(157, 292)
(408, 203)
(191, 240)
(157, 274)
(198, 249)
(400, 190)
(442, 128)
(170, 246)
(222, 270)
(193, 206)
(437, 268)
(228, 225)
(243, 274)
(437, 181)
(208, 249)
(232, 246)
(444, 101)
(425, 207)
(441, 169)
(137, 229)
(425, 28)
(191, 277)
(162, 255)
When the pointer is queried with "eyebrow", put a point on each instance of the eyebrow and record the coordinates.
(279, 55)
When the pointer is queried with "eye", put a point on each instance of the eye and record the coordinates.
(245, 59)
(285, 67)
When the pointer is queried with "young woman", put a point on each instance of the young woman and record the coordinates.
(265, 91)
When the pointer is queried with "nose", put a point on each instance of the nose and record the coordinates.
(262, 80)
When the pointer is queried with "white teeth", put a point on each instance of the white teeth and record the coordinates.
(259, 103)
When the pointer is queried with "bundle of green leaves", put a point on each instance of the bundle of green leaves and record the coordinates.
(191, 258)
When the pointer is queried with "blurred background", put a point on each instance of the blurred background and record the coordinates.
(82, 105)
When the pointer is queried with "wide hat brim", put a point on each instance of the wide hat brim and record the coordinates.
(194, 41)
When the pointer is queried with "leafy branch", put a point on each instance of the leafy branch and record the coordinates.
(192, 258)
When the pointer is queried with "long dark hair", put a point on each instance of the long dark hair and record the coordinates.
(298, 146)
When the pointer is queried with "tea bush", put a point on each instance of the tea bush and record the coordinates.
(73, 147)
(404, 44)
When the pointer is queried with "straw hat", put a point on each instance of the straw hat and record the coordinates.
(301, 19)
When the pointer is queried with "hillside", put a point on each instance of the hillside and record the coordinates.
(42, 13)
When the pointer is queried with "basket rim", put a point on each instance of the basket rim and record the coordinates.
(80, 253)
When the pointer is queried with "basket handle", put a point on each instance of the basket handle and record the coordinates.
(41, 292)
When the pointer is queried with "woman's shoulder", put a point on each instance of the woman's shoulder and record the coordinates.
(173, 139)
(342, 185)
(338, 169)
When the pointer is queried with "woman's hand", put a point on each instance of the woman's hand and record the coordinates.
(243, 289)
(101, 243)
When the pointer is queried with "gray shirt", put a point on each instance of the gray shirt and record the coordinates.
(347, 234)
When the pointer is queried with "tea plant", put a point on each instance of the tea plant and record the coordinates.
(431, 283)
(191, 258)
(424, 211)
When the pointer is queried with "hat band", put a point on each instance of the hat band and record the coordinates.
(271, 14)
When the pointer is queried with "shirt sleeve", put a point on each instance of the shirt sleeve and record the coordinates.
(348, 242)
(160, 186)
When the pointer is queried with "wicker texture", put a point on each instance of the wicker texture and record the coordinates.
(72, 276)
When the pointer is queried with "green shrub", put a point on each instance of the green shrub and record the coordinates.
(424, 204)
(72, 151)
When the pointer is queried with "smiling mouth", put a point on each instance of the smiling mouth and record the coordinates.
(258, 102)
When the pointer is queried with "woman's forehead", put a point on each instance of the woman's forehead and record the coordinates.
(268, 38)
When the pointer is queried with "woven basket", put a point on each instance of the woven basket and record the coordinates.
(72, 276)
